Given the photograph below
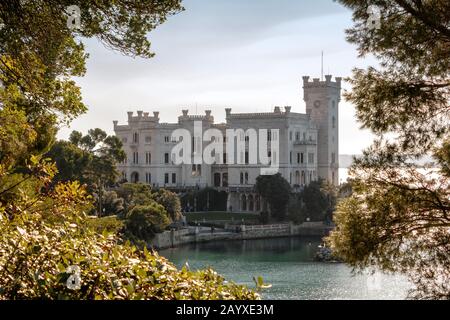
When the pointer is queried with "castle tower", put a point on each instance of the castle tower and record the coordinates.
(322, 105)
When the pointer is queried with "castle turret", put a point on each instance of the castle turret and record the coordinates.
(322, 105)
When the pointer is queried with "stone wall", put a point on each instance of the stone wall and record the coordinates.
(176, 238)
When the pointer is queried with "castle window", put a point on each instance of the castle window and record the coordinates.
(166, 178)
(333, 122)
(290, 135)
(148, 178)
(174, 178)
(298, 157)
(246, 178)
(269, 135)
(302, 158)
(166, 139)
(135, 157)
(310, 157)
(242, 178)
(246, 157)
(224, 158)
(297, 136)
(148, 158)
(136, 137)
(290, 157)
(166, 158)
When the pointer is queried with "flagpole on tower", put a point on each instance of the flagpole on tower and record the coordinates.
(321, 68)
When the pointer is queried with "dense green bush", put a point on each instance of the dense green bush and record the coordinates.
(110, 224)
(207, 199)
(276, 190)
(319, 200)
(296, 210)
(143, 221)
(170, 201)
(46, 238)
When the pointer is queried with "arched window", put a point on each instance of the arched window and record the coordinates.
(333, 122)
(244, 203)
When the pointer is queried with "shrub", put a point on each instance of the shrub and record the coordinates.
(110, 224)
(36, 257)
(170, 201)
(144, 221)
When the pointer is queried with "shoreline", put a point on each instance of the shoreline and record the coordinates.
(177, 238)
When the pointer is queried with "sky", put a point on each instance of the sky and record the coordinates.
(244, 54)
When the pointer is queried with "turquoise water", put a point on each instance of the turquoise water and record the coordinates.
(287, 264)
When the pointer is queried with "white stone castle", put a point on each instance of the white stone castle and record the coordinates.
(308, 147)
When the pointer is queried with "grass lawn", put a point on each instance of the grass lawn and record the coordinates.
(220, 215)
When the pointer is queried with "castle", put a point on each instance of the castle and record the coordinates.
(308, 147)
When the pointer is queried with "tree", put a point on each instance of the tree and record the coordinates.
(40, 55)
(319, 200)
(276, 191)
(43, 229)
(91, 159)
(296, 210)
(170, 201)
(144, 221)
(397, 217)
(45, 235)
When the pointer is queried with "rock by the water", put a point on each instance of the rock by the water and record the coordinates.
(324, 254)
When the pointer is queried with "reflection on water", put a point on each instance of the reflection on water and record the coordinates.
(287, 264)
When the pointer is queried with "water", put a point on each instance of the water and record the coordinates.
(287, 264)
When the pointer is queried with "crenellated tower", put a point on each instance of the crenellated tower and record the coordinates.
(322, 105)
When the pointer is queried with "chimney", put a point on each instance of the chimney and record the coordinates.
(208, 113)
(228, 111)
(115, 122)
(328, 78)
(130, 115)
(156, 114)
(287, 109)
(338, 81)
(185, 112)
(277, 109)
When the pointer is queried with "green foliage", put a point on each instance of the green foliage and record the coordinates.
(170, 201)
(143, 221)
(264, 217)
(44, 234)
(276, 190)
(112, 204)
(110, 224)
(217, 200)
(135, 194)
(90, 159)
(397, 217)
(296, 210)
(220, 216)
(43, 227)
(319, 200)
(70, 160)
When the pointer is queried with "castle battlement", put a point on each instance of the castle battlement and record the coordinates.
(308, 145)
